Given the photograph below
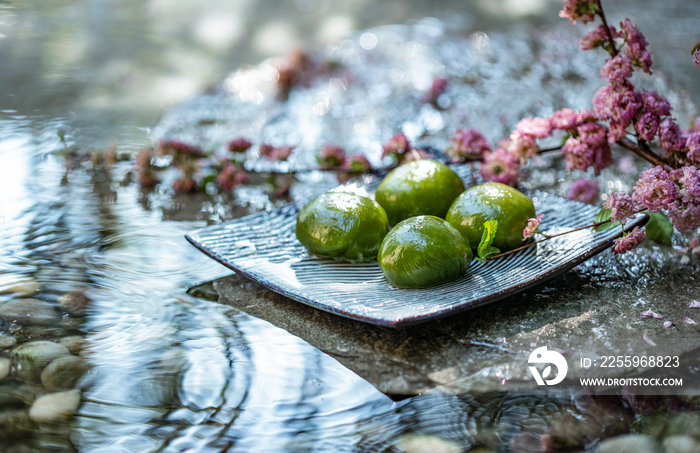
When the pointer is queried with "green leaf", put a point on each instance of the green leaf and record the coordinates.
(659, 228)
(602, 216)
(485, 250)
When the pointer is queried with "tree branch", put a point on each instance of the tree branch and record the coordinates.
(642, 150)
(611, 41)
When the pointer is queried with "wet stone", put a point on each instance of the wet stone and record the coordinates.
(5, 366)
(468, 352)
(30, 359)
(681, 444)
(23, 289)
(69, 323)
(74, 343)
(6, 342)
(55, 406)
(28, 333)
(423, 443)
(630, 443)
(75, 303)
(63, 373)
(29, 312)
(15, 424)
(10, 395)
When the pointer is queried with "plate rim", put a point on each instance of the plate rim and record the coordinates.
(416, 319)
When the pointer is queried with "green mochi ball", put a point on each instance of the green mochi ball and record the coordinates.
(342, 226)
(492, 201)
(424, 187)
(423, 251)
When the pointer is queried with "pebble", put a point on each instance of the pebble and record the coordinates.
(71, 323)
(6, 342)
(684, 424)
(681, 444)
(29, 312)
(24, 289)
(63, 373)
(28, 333)
(74, 343)
(55, 406)
(75, 303)
(30, 359)
(10, 396)
(422, 443)
(5, 365)
(630, 443)
(15, 424)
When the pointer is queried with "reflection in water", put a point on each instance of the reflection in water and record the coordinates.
(175, 372)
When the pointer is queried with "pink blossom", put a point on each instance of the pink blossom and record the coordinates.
(632, 34)
(564, 119)
(585, 116)
(331, 156)
(648, 340)
(670, 135)
(617, 69)
(655, 103)
(696, 125)
(178, 147)
(689, 179)
(668, 324)
(647, 125)
(438, 87)
(639, 56)
(688, 321)
(616, 131)
(500, 166)
(585, 191)
(617, 103)
(583, 10)
(655, 189)
(466, 144)
(693, 145)
(578, 156)
(598, 37)
(185, 184)
(684, 217)
(593, 135)
(358, 163)
(396, 146)
(275, 152)
(694, 304)
(415, 155)
(626, 164)
(231, 176)
(649, 314)
(239, 145)
(536, 127)
(696, 58)
(631, 241)
(622, 207)
(521, 146)
(532, 226)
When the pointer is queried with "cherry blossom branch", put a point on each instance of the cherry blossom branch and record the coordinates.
(548, 237)
(642, 150)
(611, 41)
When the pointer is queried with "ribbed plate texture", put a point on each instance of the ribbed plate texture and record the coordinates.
(264, 248)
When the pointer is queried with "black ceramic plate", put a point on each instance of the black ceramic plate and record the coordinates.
(264, 248)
